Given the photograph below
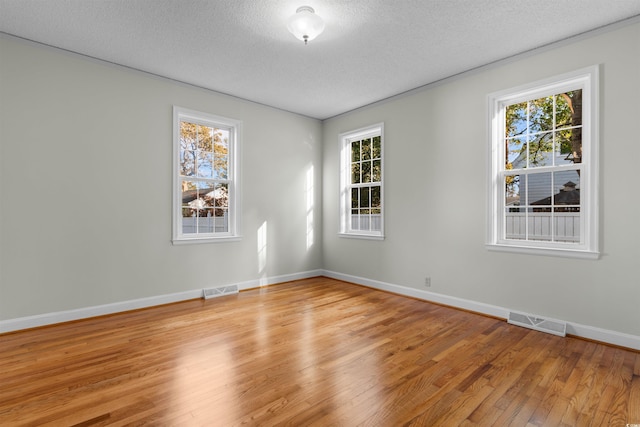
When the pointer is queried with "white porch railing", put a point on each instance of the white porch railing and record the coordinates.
(371, 222)
(191, 225)
(565, 226)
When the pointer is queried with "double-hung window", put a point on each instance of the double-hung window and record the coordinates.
(543, 180)
(361, 183)
(206, 198)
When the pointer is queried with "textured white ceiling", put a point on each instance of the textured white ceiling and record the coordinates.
(370, 49)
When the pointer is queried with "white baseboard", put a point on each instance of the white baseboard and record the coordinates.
(28, 322)
(575, 329)
(98, 310)
(583, 331)
(266, 281)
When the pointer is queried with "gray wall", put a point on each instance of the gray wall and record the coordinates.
(85, 186)
(436, 191)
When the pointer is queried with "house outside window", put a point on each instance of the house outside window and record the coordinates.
(361, 183)
(206, 198)
(543, 193)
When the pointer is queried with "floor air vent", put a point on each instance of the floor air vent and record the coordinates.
(554, 327)
(218, 292)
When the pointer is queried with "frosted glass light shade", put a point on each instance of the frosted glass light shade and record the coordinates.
(305, 25)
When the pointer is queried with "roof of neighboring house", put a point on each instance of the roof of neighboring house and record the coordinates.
(568, 195)
(190, 195)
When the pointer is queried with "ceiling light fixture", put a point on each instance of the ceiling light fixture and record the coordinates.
(305, 25)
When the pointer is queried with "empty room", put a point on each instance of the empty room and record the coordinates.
(324, 212)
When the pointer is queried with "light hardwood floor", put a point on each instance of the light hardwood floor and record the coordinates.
(312, 352)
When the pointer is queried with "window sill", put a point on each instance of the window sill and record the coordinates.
(556, 252)
(362, 236)
(202, 240)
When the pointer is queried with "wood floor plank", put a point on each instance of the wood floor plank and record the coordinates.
(311, 352)
(634, 401)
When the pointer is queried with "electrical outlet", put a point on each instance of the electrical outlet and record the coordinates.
(427, 282)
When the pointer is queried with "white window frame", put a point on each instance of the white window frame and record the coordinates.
(586, 79)
(235, 138)
(345, 140)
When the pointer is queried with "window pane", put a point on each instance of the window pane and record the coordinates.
(355, 200)
(188, 135)
(220, 195)
(516, 119)
(366, 149)
(541, 115)
(364, 197)
(514, 197)
(539, 224)
(187, 163)
(189, 221)
(377, 171)
(516, 154)
(566, 217)
(377, 148)
(204, 138)
(221, 221)
(376, 220)
(569, 141)
(569, 109)
(355, 220)
(563, 141)
(355, 173)
(566, 196)
(541, 150)
(221, 154)
(567, 227)
(221, 211)
(376, 201)
(188, 139)
(539, 191)
(206, 191)
(205, 221)
(189, 192)
(221, 167)
(189, 207)
(205, 164)
(366, 171)
(221, 141)
(355, 151)
(515, 226)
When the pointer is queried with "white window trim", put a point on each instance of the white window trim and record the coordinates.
(588, 80)
(235, 131)
(345, 177)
